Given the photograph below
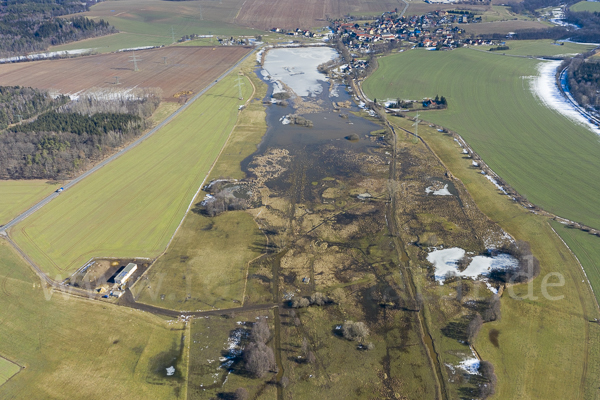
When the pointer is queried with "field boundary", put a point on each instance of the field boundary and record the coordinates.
(132, 145)
(21, 368)
(201, 184)
(580, 265)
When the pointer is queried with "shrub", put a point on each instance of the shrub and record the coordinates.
(318, 298)
(300, 303)
(355, 330)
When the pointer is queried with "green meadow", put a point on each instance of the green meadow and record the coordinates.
(132, 206)
(543, 155)
(156, 22)
(18, 196)
(72, 348)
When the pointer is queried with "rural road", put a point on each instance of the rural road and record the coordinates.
(95, 168)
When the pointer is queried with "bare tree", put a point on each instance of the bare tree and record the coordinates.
(300, 303)
(355, 330)
(473, 328)
(260, 331)
(241, 394)
(310, 357)
(318, 298)
(488, 387)
(492, 310)
(259, 359)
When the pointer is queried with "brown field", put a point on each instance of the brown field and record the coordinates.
(186, 69)
(289, 14)
(502, 26)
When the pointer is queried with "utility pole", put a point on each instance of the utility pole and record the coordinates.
(165, 60)
(239, 86)
(116, 80)
(173, 35)
(135, 60)
(417, 128)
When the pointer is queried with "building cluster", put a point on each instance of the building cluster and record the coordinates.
(440, 29)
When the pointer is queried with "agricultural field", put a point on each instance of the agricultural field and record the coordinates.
(132, 206)
(155, 22)
(7, 370)
(587, 249)
(501, 13)
(122, 351)
(522, 140)
(541, 48)
(211, 339)
(502, 27)
(590, 6)
(535, 336)
(290, 14)
(213, 253)
(185, 69)
(18, 196)
(206, 265)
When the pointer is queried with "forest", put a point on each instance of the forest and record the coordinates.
(33, 25)
(21, 103)
(63, 141)
(584, 81)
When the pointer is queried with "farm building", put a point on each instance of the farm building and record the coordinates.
(126, 273)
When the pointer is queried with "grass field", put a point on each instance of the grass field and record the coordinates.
(538, 337)
(587, 249)
(18, 196)
(541, 48)
(154, 22)
(591, 6)
(74, 348)
(502, 26)
(206, 265)
(7, 370)
(543, 155)
(213, 253)
(132, 206)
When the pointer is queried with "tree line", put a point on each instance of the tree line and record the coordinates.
(34, 25)
(584, 81)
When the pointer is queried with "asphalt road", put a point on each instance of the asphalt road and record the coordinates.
(95, 168)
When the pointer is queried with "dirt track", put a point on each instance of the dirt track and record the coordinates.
(186, 69)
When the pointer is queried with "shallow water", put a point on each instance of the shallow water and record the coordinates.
(297, 68)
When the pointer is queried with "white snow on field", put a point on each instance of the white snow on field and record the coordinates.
(170, 371)
(42, 56)
(494, 182)
(470, 365)
(446, 261)
(545, 89)
(440, 192)
(297, 67)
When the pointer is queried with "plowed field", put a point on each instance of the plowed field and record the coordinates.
(184, 69)
(289, 14)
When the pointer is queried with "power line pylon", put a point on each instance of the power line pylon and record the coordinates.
(239, 85)
(134, 59)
